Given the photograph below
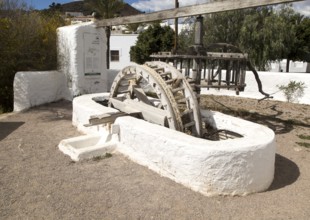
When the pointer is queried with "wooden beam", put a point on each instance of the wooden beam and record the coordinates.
(207, 8)
(105, 118)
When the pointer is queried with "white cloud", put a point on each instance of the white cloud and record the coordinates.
(158, 5)
(303, 7)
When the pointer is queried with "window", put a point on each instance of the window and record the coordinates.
(114, 55)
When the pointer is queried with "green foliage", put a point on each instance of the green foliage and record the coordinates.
(185, 40)
(98, 158)
(133, 28)
(293, 90)
(28, 42)
(265, 33)
(105, 8)
(55, 7)
(153, 40)
(303, 144)
(304, 137)
(224, 27)
(186, 36)
(303, 41)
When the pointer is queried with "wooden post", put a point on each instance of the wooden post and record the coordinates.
(198, 34)
(176, 29)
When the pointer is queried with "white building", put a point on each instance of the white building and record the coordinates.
(295, 66)
(120, 45)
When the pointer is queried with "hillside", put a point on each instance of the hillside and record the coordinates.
(79, 6)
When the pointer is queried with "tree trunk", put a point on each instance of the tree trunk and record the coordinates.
(288, 65)
(108, 34)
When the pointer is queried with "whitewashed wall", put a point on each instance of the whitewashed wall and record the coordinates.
(295, 66)
(122, 43)
(237, 166)
(81, 58)
(270, 80)
(36, 88)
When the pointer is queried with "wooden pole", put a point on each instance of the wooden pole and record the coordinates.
(176, 23)
(207, 8)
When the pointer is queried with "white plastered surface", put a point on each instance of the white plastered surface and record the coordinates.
(270, 81)
(84, 107)
(36, 88)
(72, 54)
(230, 167)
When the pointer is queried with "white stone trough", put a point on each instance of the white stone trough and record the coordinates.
(87, 146)
(237, 166)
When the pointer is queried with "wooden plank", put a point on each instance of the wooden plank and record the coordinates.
(141, 95)
(105, 118)
(209, 55)
(148, 113)
(207, 8)
(221, 86)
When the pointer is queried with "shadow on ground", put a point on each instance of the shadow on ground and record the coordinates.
(7, 128)
(273, 121)
(286, 173)
(60, 110)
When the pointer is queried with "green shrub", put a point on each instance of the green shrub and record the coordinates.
(293, 91)
(28, 43)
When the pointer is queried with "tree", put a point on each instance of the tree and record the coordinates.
(224, 27)
(28, 42)
(299, 43)
(292, 20)
(263, 36)
(153, 40)
(186, 36)
(55, 7)
(106, 9)
(133, 28)
(303, 36)
(265, 33)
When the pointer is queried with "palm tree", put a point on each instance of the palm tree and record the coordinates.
(106, 9)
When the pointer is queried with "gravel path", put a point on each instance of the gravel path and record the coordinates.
(38, 182)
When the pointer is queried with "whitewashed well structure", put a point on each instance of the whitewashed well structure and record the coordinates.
(236, 166)
(227, 167)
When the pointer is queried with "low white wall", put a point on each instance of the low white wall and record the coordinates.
(36, 88)
(84, 107)
(81, 52)
(295, 66)
(229, 167)
(269, 80)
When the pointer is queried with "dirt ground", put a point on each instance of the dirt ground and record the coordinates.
(38, 182)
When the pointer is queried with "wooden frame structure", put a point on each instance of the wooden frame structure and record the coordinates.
(176, 103)
(207, 8)
(235, 66)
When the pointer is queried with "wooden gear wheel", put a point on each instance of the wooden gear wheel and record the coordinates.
(162, 87)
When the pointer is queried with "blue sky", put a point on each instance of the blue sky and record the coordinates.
(156, 5)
